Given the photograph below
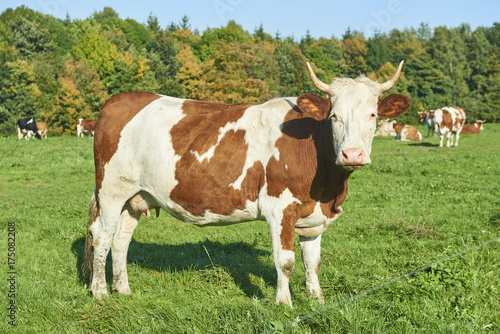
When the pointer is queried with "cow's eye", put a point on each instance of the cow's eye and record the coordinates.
(374, 115)
(334, 117)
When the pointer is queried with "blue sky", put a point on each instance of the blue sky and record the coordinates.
(290, 18)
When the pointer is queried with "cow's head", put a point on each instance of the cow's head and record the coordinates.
(421, 117)
(353, 109)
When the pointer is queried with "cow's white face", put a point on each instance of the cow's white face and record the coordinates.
(355, 107)
(354, 119)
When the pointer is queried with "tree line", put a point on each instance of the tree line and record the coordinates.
(60, 70)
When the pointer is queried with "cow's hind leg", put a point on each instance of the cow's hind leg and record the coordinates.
(119, 248)
(456, 138)
(311, 256)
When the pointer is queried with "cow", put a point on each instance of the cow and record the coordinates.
(450, 120)
(85, 126)
(42, 128)
(26, 127)
(406, 133)
(427, 118)
(473, 129)
(286, 161)
(385, 128)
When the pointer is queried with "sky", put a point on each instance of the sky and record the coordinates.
(292, 18)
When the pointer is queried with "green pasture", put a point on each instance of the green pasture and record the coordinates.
(417, 204)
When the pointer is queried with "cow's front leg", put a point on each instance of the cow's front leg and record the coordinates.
(282, 236)
(441, 138)
(311, 256)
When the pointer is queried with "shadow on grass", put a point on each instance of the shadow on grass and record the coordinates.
(240, 260)
(424, 144)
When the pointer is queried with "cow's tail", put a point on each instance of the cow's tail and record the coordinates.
(88, 257)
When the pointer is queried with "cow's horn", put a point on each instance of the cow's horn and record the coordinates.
(323, 87)
(392, 81)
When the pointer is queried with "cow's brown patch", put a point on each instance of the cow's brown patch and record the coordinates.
(290, 216)
(447, 122)
(115, 114)
(208, 185)
(398, 127)
(88, 124)
(307, 167)
(471, 129)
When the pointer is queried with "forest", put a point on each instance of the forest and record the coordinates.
(60, 70)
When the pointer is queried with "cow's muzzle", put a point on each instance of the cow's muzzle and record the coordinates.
(353, 158)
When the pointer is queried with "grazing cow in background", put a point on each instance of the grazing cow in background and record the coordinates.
(26, 127)
(450, 120)
(286, 161)
(85, 126)
(406, 132)
(385, 128)
(473, 129)
(427, 118)
(42, 129)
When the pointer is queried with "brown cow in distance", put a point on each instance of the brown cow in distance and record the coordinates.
(406, 132)
(42, 128)
(473, 129)
(286, 161)
(85, 126)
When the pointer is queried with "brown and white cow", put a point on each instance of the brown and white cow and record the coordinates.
(406, 132)
(42, 129)
(450, 120)
(473, 129)
(286, 161)
(385, 128)
(427, 118)
(85, 126)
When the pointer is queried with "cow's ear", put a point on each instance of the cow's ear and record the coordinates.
(314, 106)
(393, 105)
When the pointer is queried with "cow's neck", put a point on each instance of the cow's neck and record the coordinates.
(329, 186)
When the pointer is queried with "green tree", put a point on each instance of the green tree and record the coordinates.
(29, 38)
(354, 49)
(232, 33)
(292, 73)
(378, 53)
(234, 74)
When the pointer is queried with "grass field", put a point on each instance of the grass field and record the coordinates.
(416, 205)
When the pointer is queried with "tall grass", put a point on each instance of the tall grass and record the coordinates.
(416, 204)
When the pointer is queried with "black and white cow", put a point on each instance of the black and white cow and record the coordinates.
(26, 127)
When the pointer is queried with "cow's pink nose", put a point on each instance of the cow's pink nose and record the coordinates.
(353, 157)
